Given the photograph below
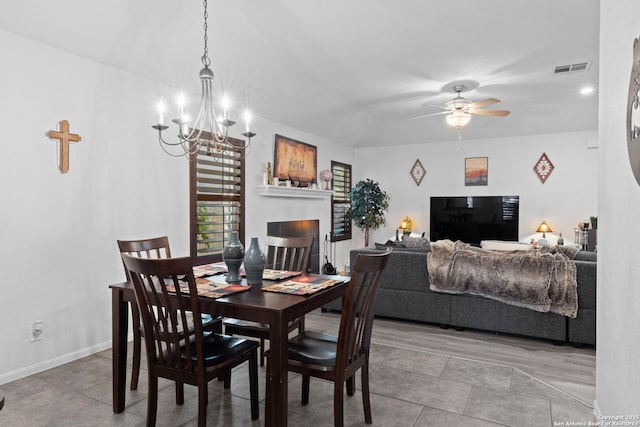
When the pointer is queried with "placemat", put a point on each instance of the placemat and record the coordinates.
(209, 269)
(269, 274)
(206, 270)
(209, 289)
(304, 285)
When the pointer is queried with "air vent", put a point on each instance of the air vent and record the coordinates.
(580, 66)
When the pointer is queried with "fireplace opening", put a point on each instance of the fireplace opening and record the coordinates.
(300, 228)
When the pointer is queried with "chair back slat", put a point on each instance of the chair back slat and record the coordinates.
(156, 247)
(164, 306)
(356, 322)
(289, 253)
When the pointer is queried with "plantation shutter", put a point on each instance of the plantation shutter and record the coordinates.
(340, 202)
(217, 202)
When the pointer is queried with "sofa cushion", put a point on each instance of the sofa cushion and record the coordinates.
(586, 256)
(421, 249)
(569, 251)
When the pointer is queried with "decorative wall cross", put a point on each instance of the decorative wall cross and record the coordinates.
(64, 137)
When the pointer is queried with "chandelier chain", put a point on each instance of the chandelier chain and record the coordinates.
(205, 56)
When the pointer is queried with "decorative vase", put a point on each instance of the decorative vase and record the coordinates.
(254, 260)
(232, 254)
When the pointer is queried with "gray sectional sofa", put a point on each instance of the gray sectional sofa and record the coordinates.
(404, 294)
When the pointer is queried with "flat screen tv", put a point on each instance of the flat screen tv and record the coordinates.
(472, 219)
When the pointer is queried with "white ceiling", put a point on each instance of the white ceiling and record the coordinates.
(353, 71)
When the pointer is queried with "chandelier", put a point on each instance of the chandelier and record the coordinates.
(209, 131)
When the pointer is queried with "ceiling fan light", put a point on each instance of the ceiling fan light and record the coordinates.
(458, 118)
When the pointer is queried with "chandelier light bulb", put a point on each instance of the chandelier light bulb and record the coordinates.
(181, 101)
(247, 120)
(161, 112)
(226, 104)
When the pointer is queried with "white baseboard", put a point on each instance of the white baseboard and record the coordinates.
(52, 363)
(596, 410)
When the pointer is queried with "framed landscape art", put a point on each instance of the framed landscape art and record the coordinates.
(295, 160)
(476, 171)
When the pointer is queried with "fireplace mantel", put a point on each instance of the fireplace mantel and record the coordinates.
(308, 193)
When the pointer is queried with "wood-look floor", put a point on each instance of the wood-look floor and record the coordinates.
(421, 376)
(564, 367)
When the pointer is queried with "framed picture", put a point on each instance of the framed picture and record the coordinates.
(295, 160)
(476, 171)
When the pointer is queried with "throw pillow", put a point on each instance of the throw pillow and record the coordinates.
(389, 244)
(415, 242)
(501, 245)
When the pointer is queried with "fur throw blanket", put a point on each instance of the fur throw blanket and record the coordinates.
(543, 280)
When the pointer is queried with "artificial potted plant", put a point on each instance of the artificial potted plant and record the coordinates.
(368, 205)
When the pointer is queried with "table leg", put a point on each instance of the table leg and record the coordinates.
(119, 329)
(276, 410)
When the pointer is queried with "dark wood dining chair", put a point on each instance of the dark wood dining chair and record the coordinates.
(338, 358)
(283, 253)
(172, 351)
(156, 247)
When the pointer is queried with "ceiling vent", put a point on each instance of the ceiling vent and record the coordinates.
(580, 66)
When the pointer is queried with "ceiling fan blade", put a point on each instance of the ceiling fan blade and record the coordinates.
(483, 103)
(429, 115)
(500, 113)
(442, 107)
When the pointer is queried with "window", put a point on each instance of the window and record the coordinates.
(216, 186)
(340, 202)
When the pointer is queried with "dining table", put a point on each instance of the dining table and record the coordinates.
(272, 308)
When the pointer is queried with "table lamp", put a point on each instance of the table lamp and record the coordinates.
(406, 225)
(543, 228)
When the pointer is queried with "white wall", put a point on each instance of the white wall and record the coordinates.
(59, 232)
(618, 320)
(261, 209)
(567, 197)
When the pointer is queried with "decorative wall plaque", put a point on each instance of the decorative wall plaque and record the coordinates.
(418, 172)
(633, 115)
(543, 168)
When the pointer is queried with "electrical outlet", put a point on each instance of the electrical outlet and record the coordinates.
(36, 331)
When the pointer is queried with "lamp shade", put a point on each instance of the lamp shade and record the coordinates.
(458, 118)
(544, 228)
(406, 223)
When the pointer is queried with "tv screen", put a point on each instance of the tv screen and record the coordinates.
(472, 219)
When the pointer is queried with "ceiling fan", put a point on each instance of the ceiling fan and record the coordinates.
(459, 110)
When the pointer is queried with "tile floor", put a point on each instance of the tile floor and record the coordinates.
(410, 387)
